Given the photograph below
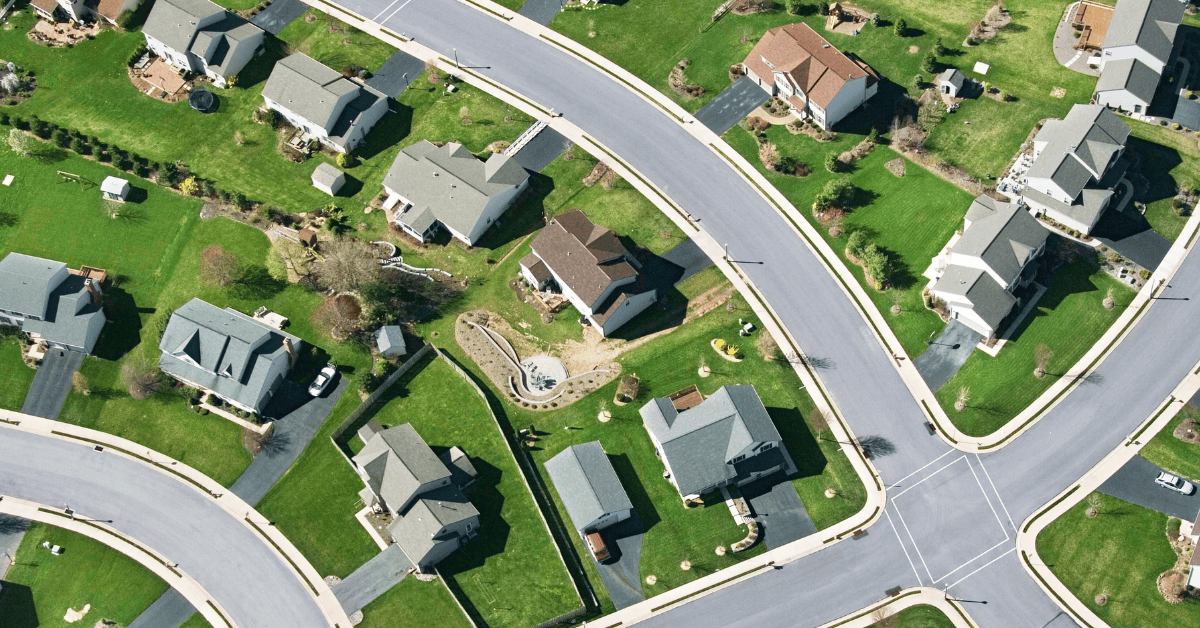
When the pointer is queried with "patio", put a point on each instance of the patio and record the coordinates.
(159, 78)
(59, 34)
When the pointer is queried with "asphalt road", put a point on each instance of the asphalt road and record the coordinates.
(255, 587)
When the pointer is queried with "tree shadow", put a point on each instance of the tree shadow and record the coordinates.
(876, 446)
(256, 282)
(123, 331)
(636, 490)
(12, 524)
(389, 131)
(799, 441)
(17, 606)
(49, 154)
(9, 219)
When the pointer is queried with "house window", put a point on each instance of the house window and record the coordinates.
(738, 459)
(1137, 108)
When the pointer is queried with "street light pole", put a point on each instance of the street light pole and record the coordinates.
(727, 251)
(455, 58)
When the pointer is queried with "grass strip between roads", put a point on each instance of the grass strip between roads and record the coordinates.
(284, 554)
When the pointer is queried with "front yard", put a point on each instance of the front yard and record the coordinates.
(1169, 160)
(1178, 456)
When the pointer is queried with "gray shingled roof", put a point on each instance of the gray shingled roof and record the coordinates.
(326, 175)
(417, 530)
(26, 283)
(231, 33)
(1091, 202)
(389, 338)
(450, 183)
(988, 299)
(952, 76)
(222, 350)
(174, 22)
(398, 463)
(1002, 235)
(71, 315)
(462, 471)
(1147, 24)
(314, 91)
(698, 443)
(587, 483)
(1087, 138)
(1129, 75)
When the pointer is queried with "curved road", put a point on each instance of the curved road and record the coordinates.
(252, 583)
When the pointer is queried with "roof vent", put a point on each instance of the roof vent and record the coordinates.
(825, 46)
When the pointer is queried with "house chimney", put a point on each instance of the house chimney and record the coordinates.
(291, 351)
(93, 290)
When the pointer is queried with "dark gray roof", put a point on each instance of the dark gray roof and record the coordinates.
(228, 33)
(417, 531)
(314, 92)
(1002, 235)
(1086, 209)
(369, 430)
(398, 463)
(450, 182)
(1129, 75)
(700, 443)
(1085, 140)
(175, 22)
(222, 350)
(71, 315)
(952, 76)
(389, 339)
(326, 175)
(988, 299)
(26, 283)
(587, 483)
(462, 471)
(1147, 24)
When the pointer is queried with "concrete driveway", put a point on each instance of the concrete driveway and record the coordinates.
(396, 74)
(51, 383)
(778, 510)
(947, 354)
(731, 105)
(620, 573)
(278, 15)
(386, 570)
(1134, 483)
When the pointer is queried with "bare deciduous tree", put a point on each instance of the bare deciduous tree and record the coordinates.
(348, 264)
(340, 316)
(884, 618)
(819, 420)
(1109, 301)
(1093, 502)
(964, 396)
(294, 256)
(1041, 357)
(218, 266)
(79, 382)
(141, 378)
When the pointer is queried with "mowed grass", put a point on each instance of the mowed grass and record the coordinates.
(334, 43)
(911, 217)
(1069, 319)
(447, 412)
(1119, 553)
(648, 37)
(1172, 454)
(923, 617)
(1170, 160)
(412, 603)
(40, 588)
(17, 376)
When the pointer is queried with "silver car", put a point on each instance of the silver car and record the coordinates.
(319, 384)
(1175, 483)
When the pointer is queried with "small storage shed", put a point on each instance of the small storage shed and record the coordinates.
(308, 237)
(951, 82)
(389, 339)
(114, 189)
(328, 179)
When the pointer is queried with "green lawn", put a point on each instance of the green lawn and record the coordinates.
(1069, 318)
(413, 602)
(911, 217)
(40, 588)
(17, 376)
(342, 47)
(1169, 160)
(1119, 553)
(1173, 454)
(923, 617)
(648, 37)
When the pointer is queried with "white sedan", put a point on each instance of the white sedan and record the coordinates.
(1175, 483)
(319, 384)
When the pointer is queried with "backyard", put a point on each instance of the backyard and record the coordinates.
(40, 588)
(1119, 553)
(1069, 319)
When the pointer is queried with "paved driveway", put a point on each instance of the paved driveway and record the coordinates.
(51, 383)
(1134, 483)
(386, 570)
(778, 510)
(620, 574)
(396, 74)
(278, 15)
(541, 11)
(541, 150)
(947, 354)
(731, 105)
(689, 256)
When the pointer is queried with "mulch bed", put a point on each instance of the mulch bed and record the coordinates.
(896, 166)
(1187, 432)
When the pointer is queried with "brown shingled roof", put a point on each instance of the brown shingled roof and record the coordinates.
(110, 9)
(819, 69)
(586, 257)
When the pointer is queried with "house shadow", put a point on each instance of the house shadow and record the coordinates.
(636, 490)
(123, 331)
(528, 214)
(660, 275)
(17, 607)
(493, 529)
(799, 440)
(259, 68)
(391, 129)
(1155, 163)
(890, 100)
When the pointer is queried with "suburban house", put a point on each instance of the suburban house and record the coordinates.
(432, 187)
(57, 307)
(1076, 166)
(83, 10)
(820, 82)
(226, 353)
(200, 36)
(951, 82)
(328, 179)
(424, 493)
(1135, 52)
(1194, 535)
(980, 271)
(589, 487)
(590, 266)
(335, 110)
(726, 440)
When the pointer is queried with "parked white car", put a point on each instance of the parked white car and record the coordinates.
(1175, 483)
(319, 384)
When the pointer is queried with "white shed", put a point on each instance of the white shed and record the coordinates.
(390, 341)
(328, 179)
(950, 82)
(114, 189)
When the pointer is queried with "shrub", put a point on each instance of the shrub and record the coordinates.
(719, 344)
(939, 49)
(929, 63)
(4, 119)
(61, 138)
(190, 186)
(856, 244)
(137, 52)
(1175, 125)
(877, 264)
(832, 163)
(1144, 274)
(836, 193)
(79, 146)
(918, 81)
(346, 160)
(124, 18)
(901, 27)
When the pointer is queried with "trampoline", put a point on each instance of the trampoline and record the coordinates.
(201, 99)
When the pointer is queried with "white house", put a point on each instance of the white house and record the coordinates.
(83, 10)
(200, 36)
(434, 187)
(591, 267)
(53, 305)
(951, 82)
(820, 82)
(1075, 166)
(1135, 52)
(336, 110)
(978, 274)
